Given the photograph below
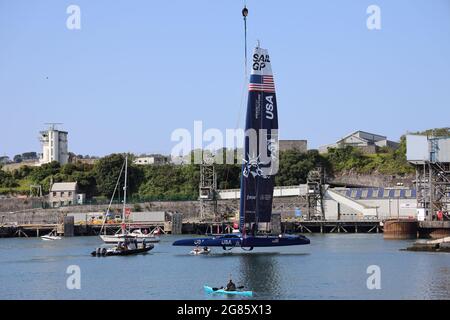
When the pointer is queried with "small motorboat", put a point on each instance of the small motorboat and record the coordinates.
(51, 237)
(199, 251)
(223, 291)
(121, 250)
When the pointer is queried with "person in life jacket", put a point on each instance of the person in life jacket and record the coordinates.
(230, 286)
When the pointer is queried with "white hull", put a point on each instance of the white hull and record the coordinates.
(121, 238)
(50, 238)
(200, 252)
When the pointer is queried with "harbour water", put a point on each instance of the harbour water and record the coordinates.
(332, 267)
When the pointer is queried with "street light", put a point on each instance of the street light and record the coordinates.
(245, 12)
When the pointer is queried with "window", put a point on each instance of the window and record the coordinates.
(54, 194)
(70, 193)
(62, 193)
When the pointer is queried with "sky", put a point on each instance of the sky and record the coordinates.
(138, 70)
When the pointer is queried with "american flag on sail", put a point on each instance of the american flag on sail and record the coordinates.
(261, 83)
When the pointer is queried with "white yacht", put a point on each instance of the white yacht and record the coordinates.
(136, 234)
(124, 232)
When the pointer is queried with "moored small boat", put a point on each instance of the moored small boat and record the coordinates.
(51, 237)
(200, 251)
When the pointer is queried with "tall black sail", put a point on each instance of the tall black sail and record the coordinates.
(260, 146)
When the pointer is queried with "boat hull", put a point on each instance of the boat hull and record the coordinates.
(200, 252)
(121, 238)
(227, 241)
(127, 252)
(50, 238)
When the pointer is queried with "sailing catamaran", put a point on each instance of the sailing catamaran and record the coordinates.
(124, 233)
(258, 169)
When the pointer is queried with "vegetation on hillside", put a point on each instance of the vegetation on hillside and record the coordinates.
(165, 182)
(386, 161)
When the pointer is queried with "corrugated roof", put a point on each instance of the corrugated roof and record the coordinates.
(378, 193)
(64, 186)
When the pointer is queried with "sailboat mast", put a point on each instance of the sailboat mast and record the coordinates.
(125, 194)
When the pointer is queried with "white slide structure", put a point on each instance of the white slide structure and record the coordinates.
(366, 211)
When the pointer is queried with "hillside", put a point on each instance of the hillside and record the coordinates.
(173, 182)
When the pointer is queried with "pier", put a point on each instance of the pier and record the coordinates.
(37, 230)
(192, 227)
(300, 226)
(392, 228)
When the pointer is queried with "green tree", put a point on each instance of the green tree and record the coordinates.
(38, 174)
(22, 172)
(86, 182)
(17, 158)
(107, 171)
(295, 165)
(346, 158)
(7, 180)
(228, 176)
(169, 181)
(437, 132)
(29, 155)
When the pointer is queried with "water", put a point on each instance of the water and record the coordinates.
(332, 267)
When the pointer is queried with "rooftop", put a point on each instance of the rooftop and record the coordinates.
(64, 186)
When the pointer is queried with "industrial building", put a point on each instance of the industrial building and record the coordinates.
(370, 203)
(54, 145)
(365, 141)
(315, 202)
(431, 157)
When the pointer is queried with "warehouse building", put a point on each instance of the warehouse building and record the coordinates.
(365, 141)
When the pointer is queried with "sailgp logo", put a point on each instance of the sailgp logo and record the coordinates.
(262, 163)
(252, 166)
(260, 61)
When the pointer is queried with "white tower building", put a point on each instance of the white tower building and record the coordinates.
(54, 145)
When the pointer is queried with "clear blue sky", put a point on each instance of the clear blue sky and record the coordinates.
(137, 70)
